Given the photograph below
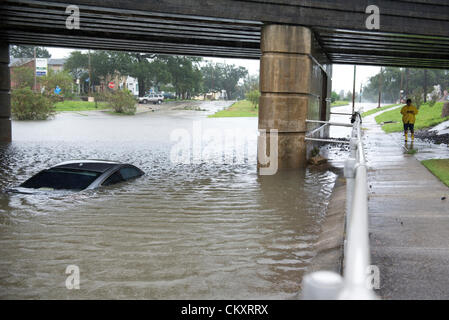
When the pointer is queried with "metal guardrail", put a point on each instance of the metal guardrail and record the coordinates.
(324, 124)
(354, 284)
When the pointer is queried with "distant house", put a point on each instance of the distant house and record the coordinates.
(56, 65)
(212, 95)
(132, 84)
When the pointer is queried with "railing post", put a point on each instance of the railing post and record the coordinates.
(330, 285)
(322, 285)
(349, 173)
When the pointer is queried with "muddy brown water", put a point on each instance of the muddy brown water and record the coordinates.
(209, 229)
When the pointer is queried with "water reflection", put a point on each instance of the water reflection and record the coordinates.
(198, 231)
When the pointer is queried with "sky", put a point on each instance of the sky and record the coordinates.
(342, 78)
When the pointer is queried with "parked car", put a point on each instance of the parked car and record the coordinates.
(169, 95)
(79, 175)
(154, 98)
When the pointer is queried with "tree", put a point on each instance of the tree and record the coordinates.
(417, 97)
(28, 105)
(151, 70)
(136, 65)
(186, 76)
(412, 79)
(223, 76)
(231, 77)
(334, 96)
(23, 51)
(250, 83)
(253, 96)
(211, 77)
(77, 64)
(53, 79)
(22, 77)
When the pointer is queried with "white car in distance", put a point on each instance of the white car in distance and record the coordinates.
(154, 98)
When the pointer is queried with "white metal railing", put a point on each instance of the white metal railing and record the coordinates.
(354, 284)
(320, 129)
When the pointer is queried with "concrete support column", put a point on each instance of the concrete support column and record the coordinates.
(5, 98)
(291, 85)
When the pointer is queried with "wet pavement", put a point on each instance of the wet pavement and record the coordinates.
(408, 219)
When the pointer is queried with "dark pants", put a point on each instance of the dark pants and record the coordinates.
(409, 126)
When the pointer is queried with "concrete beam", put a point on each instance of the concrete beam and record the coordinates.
(412, 33)
(412, 17)
(5, 98)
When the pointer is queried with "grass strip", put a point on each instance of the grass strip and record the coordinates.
(242, 108)
(427, 117)
(439, 167)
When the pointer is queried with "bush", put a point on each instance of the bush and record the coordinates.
(61, 79)
(417, 97)
(433, 99)
(28, 105)
(334, 97)
(253, 97)
(101, 96)
(22, 77)
(122, 101)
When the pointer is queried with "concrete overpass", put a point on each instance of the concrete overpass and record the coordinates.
(296, 40)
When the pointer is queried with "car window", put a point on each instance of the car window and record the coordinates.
(115, 178)
(130, 173)
(61, 179)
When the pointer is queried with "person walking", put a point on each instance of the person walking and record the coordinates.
(409, 113)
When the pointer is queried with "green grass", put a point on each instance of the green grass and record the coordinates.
(120, 113)
(375, 110)
(439, 167)
(427, 117)
(242, 108)
(70, 105)
(339, 103)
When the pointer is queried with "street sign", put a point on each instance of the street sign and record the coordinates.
(111, 85)
(41, 67)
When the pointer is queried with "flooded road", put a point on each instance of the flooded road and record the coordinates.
(207, 227)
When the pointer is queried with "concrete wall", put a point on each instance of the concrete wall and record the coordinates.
(5, 101)
(330, 245)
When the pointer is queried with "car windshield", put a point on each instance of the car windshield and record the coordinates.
(61, 179)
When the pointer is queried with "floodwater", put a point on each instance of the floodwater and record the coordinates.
(202, 225)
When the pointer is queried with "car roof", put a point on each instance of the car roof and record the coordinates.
(89, 165)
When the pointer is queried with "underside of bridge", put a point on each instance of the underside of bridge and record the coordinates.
(301, 37)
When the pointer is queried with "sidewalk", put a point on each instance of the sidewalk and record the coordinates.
(409, 223)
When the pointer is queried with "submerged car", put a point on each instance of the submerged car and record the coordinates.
(79, 175)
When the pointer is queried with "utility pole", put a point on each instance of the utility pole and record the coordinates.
(407, 74)
(353, 90)
(90, 77)
(35, 65)
(401, 90)
(360, 96)
(425, 85)
(380, 87)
